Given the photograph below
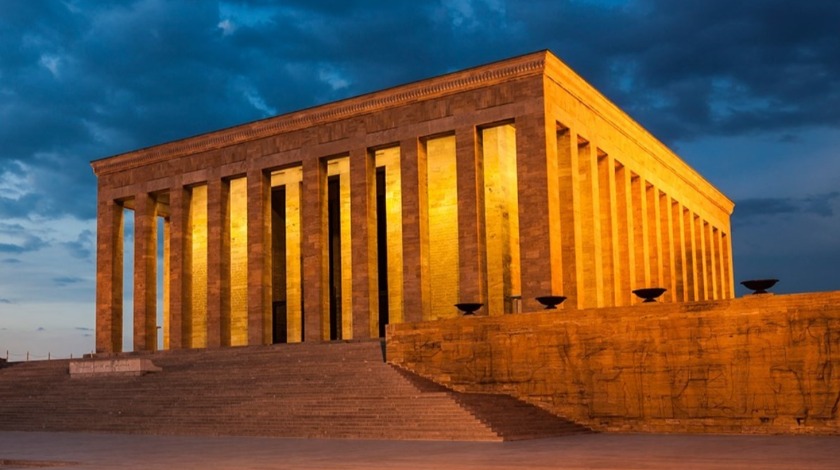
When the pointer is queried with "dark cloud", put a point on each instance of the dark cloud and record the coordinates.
(821, 205)
(86, 79)
(690, 68)
(82, 247)
(41, 328)
(82, 328)
(6, 301)
(63, 281)
(765, 206)
(16, 239)
(28, 243)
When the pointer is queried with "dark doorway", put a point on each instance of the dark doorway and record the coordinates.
(278, 322)
(278, 263)
(382, 249)
(334, 237)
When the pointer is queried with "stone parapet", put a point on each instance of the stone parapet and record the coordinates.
(100, 367)
(762, 364)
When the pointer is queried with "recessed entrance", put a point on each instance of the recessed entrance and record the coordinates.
(334, 234)
(286, 283)
(382, 249)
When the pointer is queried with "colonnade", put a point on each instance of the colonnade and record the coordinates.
(333, 247)
(630, 232)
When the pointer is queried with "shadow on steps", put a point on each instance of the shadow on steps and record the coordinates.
(512, 419)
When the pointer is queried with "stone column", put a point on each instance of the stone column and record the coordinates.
(680, 255)
(571, 222)
(609, 229)
(625, 238)
(591, 286)
(109, 275)
(654, 238)
(179, 298)
(314, 248)
(394, 246)
(363, 236)
(711, 271)
(259, 257)
(180, 282)
(294, 285)
(718, 260)
(666, 230)
(165, 284)
(727, 264)
(218, 263)
(640, 231)
(539, 210)
(346, 233)
(145, 273)
(693, 266)
(703, 266)
(472, 252)
(414, 231)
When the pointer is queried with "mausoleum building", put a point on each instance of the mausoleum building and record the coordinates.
(495, 185)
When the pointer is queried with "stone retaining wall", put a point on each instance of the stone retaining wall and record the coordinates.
(757, 364)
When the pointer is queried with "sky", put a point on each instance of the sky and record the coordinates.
(747, 92)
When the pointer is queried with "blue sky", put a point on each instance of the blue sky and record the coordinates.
(747, 92)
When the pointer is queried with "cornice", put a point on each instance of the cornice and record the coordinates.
(530, 64)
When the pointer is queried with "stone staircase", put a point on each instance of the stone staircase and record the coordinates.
(312, 390)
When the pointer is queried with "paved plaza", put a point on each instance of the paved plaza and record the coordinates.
(597, 451)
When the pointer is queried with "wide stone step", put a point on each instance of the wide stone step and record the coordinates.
(331, 390)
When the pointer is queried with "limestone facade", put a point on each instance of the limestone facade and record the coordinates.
(495, 184)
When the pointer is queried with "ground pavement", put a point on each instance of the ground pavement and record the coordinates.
(596, 451)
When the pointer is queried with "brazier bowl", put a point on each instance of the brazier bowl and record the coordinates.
(759, 286)
(649, 294)
(468, 308)
(551, 301)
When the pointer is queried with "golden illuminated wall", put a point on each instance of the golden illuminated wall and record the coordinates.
(238, 218)
(341, 167)
(501, 217)
(291, 178)
(442, 226)
(390, 159)
(755, 364)
(167, 267)
(198, 266)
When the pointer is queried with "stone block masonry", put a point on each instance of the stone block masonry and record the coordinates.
(762, 364)
(122, 366)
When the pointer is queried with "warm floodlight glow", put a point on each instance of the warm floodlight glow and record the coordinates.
(238, 221)
(198, 266)
(287, 281)
(501, 209)
(442, 186)
(340, 167)
(389, 158)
